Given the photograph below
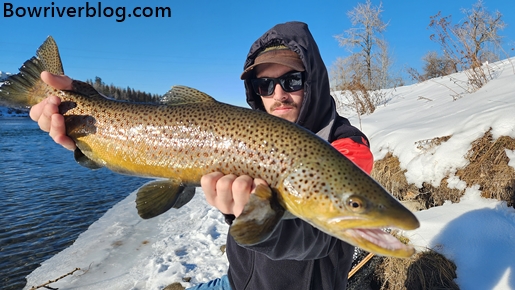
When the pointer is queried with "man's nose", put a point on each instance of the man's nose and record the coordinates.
(279, 93)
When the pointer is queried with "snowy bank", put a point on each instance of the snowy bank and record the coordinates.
(122, 251)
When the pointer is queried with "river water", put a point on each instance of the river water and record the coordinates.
(46, 198)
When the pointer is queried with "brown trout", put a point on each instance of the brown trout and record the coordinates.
(192, 134)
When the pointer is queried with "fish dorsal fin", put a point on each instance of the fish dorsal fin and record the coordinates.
(48, 54)
(185, 95)
(86, 89)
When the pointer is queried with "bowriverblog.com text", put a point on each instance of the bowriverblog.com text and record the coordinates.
(88, 10)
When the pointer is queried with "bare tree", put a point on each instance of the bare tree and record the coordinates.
(344, 71)
(470, 43)
(366, 35)
(434, 66)
(480, 33)
(367, 69)
(437, 66)
(385, 78)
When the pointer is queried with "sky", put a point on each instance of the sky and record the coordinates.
(122, 251)
(204, 43)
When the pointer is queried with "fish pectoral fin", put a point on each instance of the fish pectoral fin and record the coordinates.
(184, 197)
(83, 160)
(259, 217)
(159, 196)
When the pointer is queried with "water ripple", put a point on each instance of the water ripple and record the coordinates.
(47, 199)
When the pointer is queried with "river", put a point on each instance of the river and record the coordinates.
(46, 198)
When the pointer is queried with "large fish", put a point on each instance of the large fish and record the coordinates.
(192, 134)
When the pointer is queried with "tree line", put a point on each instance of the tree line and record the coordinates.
(124, 94)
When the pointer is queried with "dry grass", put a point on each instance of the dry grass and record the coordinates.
(428, 144)
(488, 167)
(424, 270)
(388, 173)
(174, 286)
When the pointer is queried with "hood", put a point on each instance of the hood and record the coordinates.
(318, 109)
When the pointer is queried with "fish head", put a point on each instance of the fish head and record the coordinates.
(342, 200)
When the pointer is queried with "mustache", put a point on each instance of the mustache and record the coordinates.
(283, 104)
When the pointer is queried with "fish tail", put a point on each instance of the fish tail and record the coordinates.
(26, 88)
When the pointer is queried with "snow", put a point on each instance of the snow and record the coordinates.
(477, 234)
(3, 75)
(511, 155)
(121, 251)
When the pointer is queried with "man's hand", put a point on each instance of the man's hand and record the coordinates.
(229, 193)
(46, 113)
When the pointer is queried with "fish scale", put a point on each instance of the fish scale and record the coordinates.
(191, 135)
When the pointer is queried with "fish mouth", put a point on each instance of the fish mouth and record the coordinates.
(368, 233)
(377, 241)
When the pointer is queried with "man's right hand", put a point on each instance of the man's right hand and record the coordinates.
(46, 113)
(229, 193)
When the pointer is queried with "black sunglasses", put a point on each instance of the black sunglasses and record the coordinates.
(290, 82)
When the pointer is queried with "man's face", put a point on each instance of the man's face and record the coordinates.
(281, 104)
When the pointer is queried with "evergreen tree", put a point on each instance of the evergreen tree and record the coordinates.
(125, 94)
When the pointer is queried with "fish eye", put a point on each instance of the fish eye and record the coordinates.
(355, 204)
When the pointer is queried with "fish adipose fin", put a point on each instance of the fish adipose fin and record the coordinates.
(159, 196)
(259, 217)
(181, 95)
(26, 88)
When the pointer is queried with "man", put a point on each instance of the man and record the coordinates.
(285, 76)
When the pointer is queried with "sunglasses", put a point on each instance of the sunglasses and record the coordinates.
(290, 82)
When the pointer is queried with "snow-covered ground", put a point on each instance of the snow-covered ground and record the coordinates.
(121, 251)
(477, 234)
